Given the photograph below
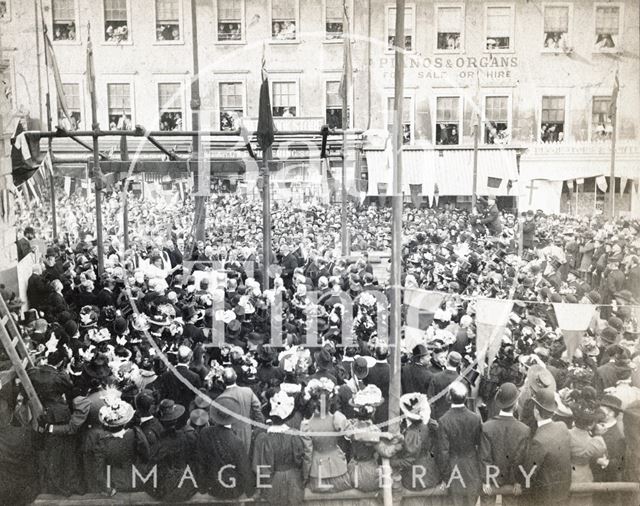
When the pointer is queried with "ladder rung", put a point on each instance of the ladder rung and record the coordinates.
(14, 341)
(25, 361)
(4, 319)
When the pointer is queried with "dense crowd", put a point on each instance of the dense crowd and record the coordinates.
(127, 372)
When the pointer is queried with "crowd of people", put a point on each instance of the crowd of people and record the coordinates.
(128, 374)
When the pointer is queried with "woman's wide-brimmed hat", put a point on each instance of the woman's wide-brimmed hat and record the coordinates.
(169, 411)
(415, 406)
(116, 412)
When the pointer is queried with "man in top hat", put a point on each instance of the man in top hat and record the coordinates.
(459, 434)
(222, 455)
(172, 385)
(504, 444)
(548, 457)
(613, 282)
(440, 384)
(190, 331)
(415, 375)
(491, 217)
(248, 407)
(619, 362)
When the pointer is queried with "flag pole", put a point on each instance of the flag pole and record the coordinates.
(52, 192)
(345, 127)
(396, 224)
(612, 176)
(266, 217)
(96, 173)
(476, 135)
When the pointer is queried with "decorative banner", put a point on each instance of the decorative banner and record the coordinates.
(601, 183)
(492, 316)
(623, 185)
(573, 320)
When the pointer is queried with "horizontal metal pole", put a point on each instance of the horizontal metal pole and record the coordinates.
(191, 133)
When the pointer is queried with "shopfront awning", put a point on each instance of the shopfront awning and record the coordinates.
(451, 171)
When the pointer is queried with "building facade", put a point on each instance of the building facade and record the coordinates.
(537, 77)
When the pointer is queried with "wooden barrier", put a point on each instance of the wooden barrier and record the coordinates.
(347, 497)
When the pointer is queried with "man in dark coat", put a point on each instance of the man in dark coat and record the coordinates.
(459, 436)
(415, 375)
(24, 243)
(491, 218)
(247, 407)
(611, 432)
(529, 231)
(548, 459)
(37, 288)
(504, 445)
(221, 456)
(106, 296)
(379, 376)
(441, 382)
(171, 386)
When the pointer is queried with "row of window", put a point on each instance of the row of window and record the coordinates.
(171, 113)
(499, 25)
(496, 111)
(496, 122)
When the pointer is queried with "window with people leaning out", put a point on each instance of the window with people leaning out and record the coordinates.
(167, 20)
(552, 119)
(229, 20)
(499, 24)
(607, 27)
(447, 120)
(170, 103)
(601, 124)
(408, 28)
(119, 103)
(231, 109)
(407, 111)
(63, 14)
(333, 20)
(449, 21)
(116, 21)
(556, 27)
(496, 124)
(283, 20)
(285, 99)
(71, 122)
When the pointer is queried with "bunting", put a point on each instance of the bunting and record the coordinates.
(492, 316)
(573, 320)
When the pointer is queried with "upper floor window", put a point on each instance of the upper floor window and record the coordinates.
(499, 35)
(229, 20)
(334, 19)
(170, 106)
(285, 99)
(284, 20)
(116, 21)
(119, 106)
(333, 112)
(409, 28)
(450, 22)
(601, 124)
(74, 108)
(556, 27)
(496, 120)
(552, 119)
(231, 105)
(5, 11)
(448, 120)
(63, 13)
(608, 21)
(168, 20)
(407, 115)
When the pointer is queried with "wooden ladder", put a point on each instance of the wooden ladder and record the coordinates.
(20, 359)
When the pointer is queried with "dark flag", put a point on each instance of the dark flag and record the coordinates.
(53, 63)
(493, 182)
(266, 129)
(25, 155)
